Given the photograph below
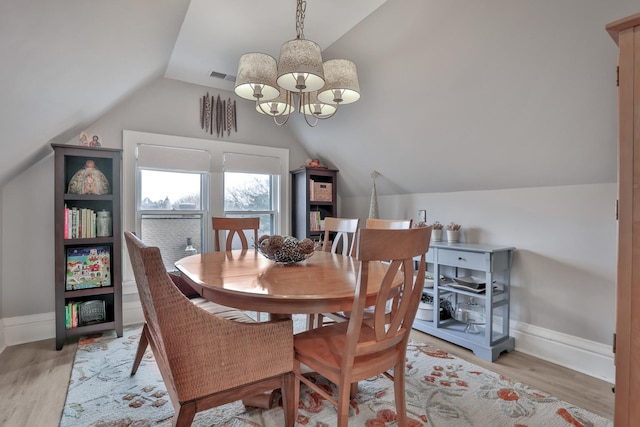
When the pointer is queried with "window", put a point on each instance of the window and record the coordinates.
(170, 212)
(250, 195)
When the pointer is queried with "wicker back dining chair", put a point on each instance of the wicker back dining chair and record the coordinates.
(348, 352)
(205, 360)
(234, 226)
(388, 224)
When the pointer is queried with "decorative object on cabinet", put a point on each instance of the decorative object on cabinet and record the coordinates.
(471, 313)
(453, 232)
(314, 163)
(313, 198)
(89, 180)
(319, 88)
(436, 232)
(84, 139)
(373, 203)
(483, 263)
(218, 115)
(87, 240)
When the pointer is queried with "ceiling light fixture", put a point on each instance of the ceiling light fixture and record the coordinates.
(298, 81)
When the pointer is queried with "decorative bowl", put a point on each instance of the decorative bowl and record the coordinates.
(285, 249)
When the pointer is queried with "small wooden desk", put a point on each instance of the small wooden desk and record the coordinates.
(246, 280)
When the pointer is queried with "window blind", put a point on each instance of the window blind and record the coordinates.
(173, 158)
(251, 163)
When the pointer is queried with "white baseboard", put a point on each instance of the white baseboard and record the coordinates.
(588, 357)
(2, 340)
(36, 327)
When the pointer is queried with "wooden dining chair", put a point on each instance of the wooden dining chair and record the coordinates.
(388, 224)
(377, 224)
(205, 360)
(344, 231)
(233, 227)
(348, 352)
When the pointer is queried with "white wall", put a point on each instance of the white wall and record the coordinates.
(27, 242)
(164, 106)
(564, 266)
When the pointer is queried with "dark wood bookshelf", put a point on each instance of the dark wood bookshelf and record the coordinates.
(303, 204)
(69, 159)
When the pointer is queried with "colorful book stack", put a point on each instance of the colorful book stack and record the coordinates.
(315, 221)
(79, 223)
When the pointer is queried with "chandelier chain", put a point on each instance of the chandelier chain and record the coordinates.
(300, 10)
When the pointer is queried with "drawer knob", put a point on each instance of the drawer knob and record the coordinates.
(460, 258)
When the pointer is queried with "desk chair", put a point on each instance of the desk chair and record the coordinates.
(234, 226)
(348, 352)
(344, 231)
(205, 360)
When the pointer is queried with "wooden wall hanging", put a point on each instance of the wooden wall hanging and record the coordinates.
(217, 115)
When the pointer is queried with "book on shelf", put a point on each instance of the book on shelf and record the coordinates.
(79, 223)
(88, 267)
(315, 221)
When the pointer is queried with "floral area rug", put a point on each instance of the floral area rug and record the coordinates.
(442, 390)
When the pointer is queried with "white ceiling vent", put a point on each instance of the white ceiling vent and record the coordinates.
(223, 76)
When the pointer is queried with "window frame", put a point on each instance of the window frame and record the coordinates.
(276, 191)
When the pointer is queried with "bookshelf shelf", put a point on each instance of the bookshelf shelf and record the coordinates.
(314, 193)
(88, 255)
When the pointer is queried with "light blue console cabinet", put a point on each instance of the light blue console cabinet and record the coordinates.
(489, 262)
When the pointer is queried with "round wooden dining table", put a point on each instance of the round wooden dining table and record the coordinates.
(246, 280)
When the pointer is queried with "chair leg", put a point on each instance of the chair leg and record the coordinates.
(343, 403)
(353, 390)
(142, 347)
(399, 393)
(311, 321)
(290, 398)
(184, 416)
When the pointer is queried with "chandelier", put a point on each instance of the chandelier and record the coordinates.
(298, 81)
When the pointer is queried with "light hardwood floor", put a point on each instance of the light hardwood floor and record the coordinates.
(34, 378)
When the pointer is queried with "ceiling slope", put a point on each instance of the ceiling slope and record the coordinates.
(67, 62)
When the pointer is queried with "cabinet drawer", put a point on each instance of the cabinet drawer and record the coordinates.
(471, 260)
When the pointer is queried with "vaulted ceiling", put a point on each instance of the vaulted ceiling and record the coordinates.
(455, 95)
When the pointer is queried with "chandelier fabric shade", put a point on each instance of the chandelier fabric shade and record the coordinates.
(256, 78)
(300, 66)
(298, 81)
(341, 82)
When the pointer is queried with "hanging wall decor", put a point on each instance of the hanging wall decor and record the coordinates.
(218, 115)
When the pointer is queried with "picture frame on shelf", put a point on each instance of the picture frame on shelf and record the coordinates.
(88, 267)
(422, 216)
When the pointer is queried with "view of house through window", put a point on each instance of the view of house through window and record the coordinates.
(172, 209)
(250, 195)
